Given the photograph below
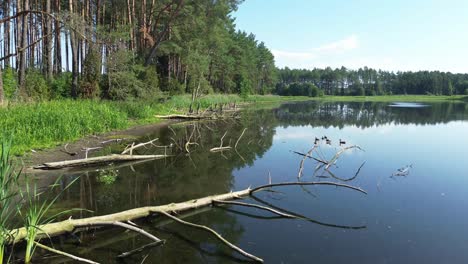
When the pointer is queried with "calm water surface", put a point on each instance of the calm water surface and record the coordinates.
(417, 218)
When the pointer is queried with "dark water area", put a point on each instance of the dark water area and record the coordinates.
(415, 172)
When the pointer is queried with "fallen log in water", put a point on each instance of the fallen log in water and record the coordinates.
(96, 161)
(119, 219)
(180, 116)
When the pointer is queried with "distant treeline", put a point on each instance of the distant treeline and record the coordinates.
(120, 50)
(128, 49)
(367, 81)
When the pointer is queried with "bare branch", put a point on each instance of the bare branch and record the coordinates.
(53, 250)
(216, 234)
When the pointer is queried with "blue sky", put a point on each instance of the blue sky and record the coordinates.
(391, 35)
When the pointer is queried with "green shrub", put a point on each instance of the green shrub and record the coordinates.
(36, 86)
(9, 82)
(61, 86)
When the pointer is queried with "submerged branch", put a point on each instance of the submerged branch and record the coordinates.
(256, 206)
(216, 234)
(56, 251)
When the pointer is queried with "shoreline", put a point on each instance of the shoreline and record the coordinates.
(140, 127)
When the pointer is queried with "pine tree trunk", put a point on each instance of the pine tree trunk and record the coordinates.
(74, 48)
(6, 46)
(47, 57)
(58, 47)
(22, 50)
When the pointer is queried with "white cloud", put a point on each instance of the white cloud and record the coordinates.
(311, 58)
(349, 43)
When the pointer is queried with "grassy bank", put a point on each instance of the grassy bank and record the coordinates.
(394, 98)
(46, 124)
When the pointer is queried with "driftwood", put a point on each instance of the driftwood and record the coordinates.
(221, 148)
(86, 150)
(70, 225)
(132, 147)
(96, 161)
(177, 116)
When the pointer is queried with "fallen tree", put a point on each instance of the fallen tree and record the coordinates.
(96, 161)
(123, 219)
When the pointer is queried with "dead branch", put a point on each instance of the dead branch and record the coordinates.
(65, 150)
(86, 150)
(221, 148)
(237, 142)
(256, 206)
(137, 250)
(96, 161)
(123, 225)
(53, 250)
(311, 157)
(338, 154)
(69, 225)
(216, 234)
(180, 116)
(130, 149)
(259, 188)
(301, 165)
(112, 140)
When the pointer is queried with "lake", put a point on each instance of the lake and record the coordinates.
(412, 163)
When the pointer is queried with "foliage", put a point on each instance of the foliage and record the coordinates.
(36, 213)
(8, 181)
(299, 89)
(107, 176)
(9, 82)
(36, 86)
(370, 82)
(60, 86)
(89, 86)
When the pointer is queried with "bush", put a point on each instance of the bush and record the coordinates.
(175, 87)
(36, 86)
(9, 82)
(125, 85)
(61, 86)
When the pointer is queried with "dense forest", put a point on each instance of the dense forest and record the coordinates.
(367, 81)
(121, 49)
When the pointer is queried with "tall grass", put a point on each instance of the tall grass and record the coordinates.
(36, 214)
(8, 190)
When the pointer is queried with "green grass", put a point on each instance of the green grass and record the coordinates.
(46, 124)
(393, 98)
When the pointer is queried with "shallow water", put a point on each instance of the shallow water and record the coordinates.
(412, 215)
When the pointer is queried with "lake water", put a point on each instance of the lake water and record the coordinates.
(413, 162)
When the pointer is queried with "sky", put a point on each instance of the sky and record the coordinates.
(390, 35)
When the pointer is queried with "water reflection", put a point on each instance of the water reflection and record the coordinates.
(338, 225)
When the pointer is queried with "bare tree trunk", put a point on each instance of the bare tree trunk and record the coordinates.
(67, 56)
(22, 50)
(58, 48)
(129, 13)
(47, 57)
(6, 46)
(74, 47)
